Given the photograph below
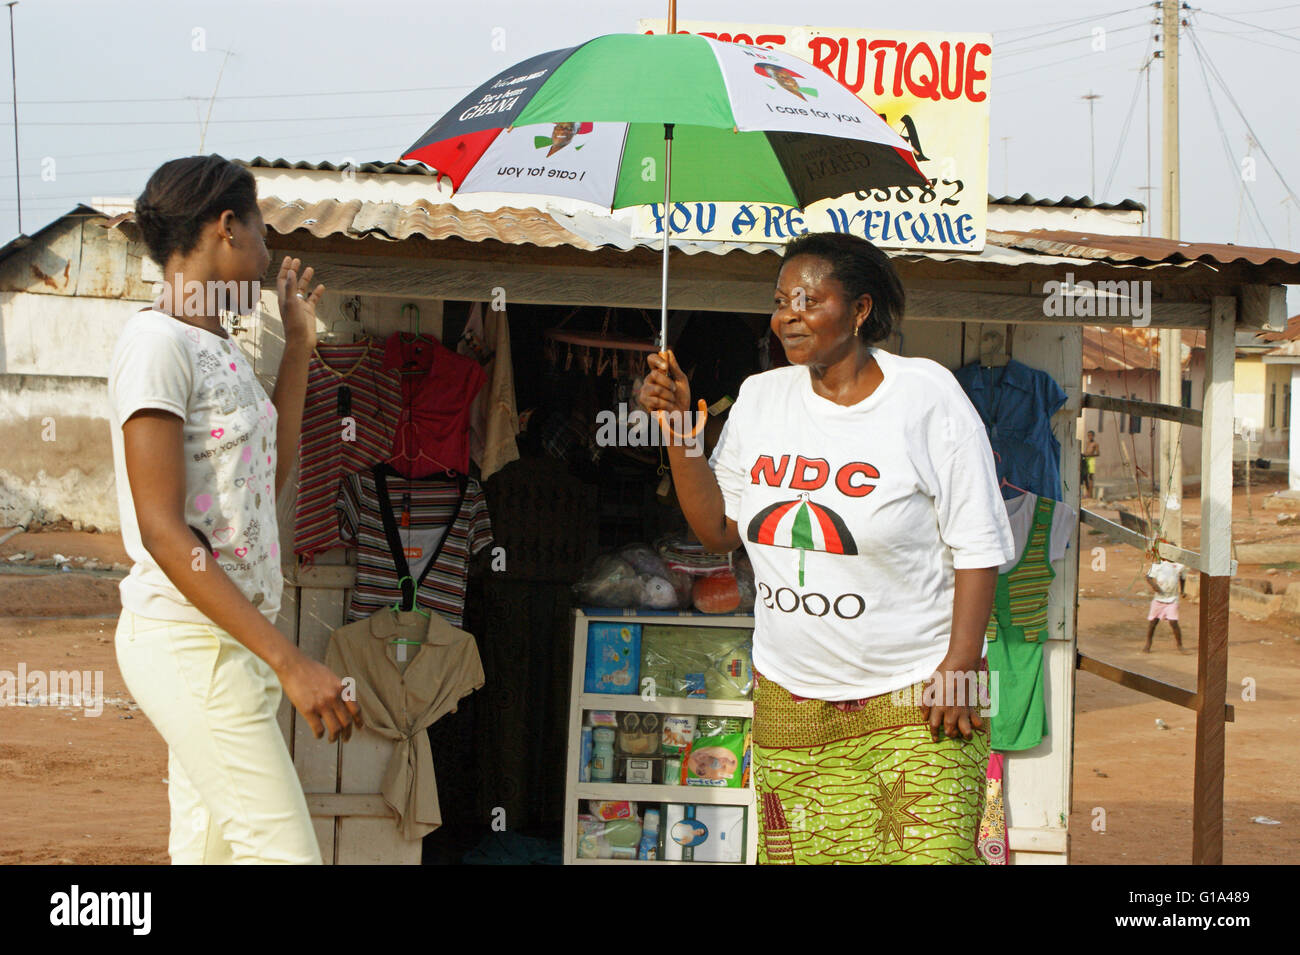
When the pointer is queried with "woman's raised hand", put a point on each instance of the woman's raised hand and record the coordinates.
(666, 387)
(297, 301)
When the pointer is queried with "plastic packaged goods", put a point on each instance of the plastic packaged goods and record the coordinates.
(704, 833)
(717, 754)
(616, 838)
(711, 662)
(716, 593)
(602, 754)
(678, 731)
(639, 734)
(609, 582)
(613, 658)
(632, 577)
(586, 752)
(612, 809)
(649, 848)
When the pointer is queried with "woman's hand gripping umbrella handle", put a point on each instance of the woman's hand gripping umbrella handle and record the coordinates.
(672, 389)
(666, 389)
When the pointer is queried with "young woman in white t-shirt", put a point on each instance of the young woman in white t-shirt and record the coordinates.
(195, 441)
(862, 487)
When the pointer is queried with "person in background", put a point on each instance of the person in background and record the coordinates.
(1165, 578)
(1089, 461)
(200, 454)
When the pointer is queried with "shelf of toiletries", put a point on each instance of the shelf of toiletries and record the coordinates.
(659, 747)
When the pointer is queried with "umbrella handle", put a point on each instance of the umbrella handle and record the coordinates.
(699, 426)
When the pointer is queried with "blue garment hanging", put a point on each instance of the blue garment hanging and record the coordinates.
(1016, 403)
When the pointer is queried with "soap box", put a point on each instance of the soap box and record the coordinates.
(613, 657)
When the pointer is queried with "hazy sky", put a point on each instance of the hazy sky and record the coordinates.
(109, 89)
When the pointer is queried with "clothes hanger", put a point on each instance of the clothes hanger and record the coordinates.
(995, 348)
(397, 608)
(1005, 482)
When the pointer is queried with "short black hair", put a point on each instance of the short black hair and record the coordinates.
(184, 195)
(863, 270)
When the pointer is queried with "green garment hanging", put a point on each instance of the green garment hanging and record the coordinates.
(1016, 632)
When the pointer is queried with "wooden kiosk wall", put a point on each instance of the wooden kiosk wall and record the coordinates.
(342, 781)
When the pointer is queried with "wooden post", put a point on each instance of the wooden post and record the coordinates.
(1216, 540)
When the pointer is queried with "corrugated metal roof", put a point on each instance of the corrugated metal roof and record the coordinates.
(1138, 248)
(1066, 202)
(386, 168)
(1289, 334)
(593, 230)
(419, 169)
(433, 220)
(1131, 349)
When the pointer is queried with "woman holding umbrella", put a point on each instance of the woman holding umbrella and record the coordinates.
(862, 486)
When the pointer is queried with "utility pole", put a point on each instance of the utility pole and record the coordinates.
(1092, 97)
(1170, 474)
(13, 74)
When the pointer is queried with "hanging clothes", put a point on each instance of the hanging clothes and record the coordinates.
(348, 424)
(438, 387)
(399, 700)
(1016, 403)
(424, 529)
(1020, 514)
(1016, 631)
(993, 827)
(494, 420)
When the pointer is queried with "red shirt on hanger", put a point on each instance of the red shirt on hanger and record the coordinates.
(438, 388)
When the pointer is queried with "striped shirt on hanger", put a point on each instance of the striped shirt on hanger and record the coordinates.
(425, 529)
(349, 422)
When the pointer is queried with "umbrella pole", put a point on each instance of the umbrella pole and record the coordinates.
(663, 294)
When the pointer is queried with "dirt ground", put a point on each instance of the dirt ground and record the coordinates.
(81, 789)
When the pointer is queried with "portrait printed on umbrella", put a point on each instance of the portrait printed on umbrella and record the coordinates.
(785, 78)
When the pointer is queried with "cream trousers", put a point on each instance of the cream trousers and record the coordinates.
(233, 790)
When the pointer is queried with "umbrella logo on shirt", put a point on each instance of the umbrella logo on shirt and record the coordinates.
(802, 525)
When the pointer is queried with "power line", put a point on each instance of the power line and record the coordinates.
(1202, 62)
(1227, 91)
(1147, 60)
(1073, 39)
(222, 99)
(166, 148)
(190, 122)
(1043, 66)
(1254, 26)
(1247, 39)
(1066, 26)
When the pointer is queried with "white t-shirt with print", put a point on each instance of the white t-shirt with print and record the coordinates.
(229, 448)
(1166, 574)
(881, 501)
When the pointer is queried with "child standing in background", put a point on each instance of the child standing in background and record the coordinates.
(1165, 578)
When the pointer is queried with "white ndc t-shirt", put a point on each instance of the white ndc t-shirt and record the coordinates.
(881, 501)
(229, 447)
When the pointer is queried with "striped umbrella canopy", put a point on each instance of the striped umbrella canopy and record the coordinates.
(598, 121)
(804, 525)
